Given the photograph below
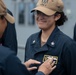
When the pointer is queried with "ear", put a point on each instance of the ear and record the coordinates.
(57, 17)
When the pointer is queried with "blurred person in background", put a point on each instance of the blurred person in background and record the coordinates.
(50, 41)
(7, 28)
(31, 15)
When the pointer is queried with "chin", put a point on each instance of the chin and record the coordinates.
(41, 25)
(42, 28)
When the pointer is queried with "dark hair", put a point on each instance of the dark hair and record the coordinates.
(2, 17)
(62, 19)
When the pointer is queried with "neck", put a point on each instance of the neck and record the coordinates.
(46, 33)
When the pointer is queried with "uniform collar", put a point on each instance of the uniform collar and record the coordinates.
(51, 41)
(36, 40)
(53, 37)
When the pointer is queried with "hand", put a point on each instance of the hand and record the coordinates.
(29, 62)
(48, 66)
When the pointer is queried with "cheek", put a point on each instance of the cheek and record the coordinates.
(36, 18)
(50, 22)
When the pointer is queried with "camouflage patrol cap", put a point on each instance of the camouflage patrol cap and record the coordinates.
(49, 7)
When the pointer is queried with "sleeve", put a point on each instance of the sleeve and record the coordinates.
(15, 67)
(40, 73)
(69, 59)
(74, 36)
(0, 71)
(9, 38)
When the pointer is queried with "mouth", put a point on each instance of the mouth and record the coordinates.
(41, 21)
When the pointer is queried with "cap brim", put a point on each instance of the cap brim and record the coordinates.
(9, 18)
(44, 10)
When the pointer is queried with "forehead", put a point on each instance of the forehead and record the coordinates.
(40, 13)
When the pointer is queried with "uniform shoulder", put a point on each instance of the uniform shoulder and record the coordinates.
(33, 36)
(9, 12)
(65, 37)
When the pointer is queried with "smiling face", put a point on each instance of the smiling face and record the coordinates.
(43, 21)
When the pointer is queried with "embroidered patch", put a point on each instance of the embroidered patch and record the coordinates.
(46, 57)
(44, 1)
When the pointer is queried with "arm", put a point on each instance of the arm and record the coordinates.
(0, 71)
(69, 59)
(15, 67)
(40, 73)
(45, 69)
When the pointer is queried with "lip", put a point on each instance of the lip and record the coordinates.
(41, 21)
